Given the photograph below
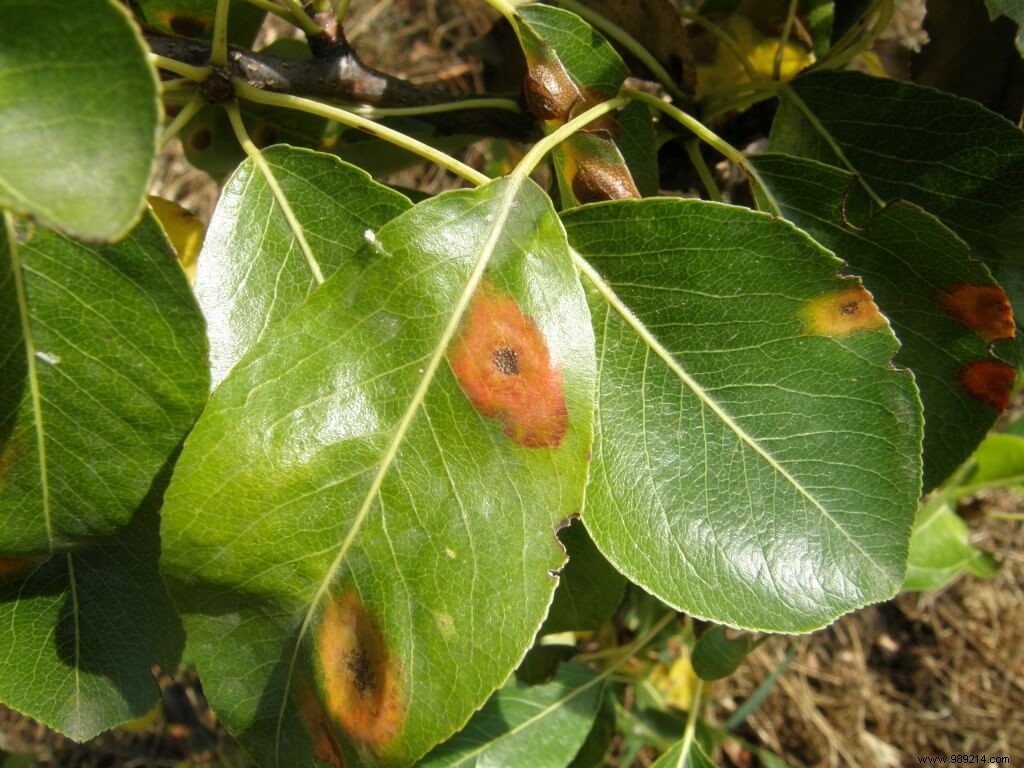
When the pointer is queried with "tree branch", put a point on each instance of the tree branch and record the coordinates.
(345, 78)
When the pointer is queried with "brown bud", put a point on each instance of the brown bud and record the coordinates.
(596, 181)
(549, 92)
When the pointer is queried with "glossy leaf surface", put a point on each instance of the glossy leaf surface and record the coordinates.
(266, 252)
(944, 306)
(520, 726)
(80, 115)
(357, 483)
(102, 371)
(940, 550)
(82, 629)
(757, 457)
(970, 174)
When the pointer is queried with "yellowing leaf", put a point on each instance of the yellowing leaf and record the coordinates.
(676, 681)
(726, 70)
(184, 230)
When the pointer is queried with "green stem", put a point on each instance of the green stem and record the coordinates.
(177, 85)
(235, 116)
(505, 8)
(189, 72)
(532, 158)
(627, 41)
(269, 7)
(706, 178)
(784, 39)
(219, 51)
(431, 109)
(299, 15)
(287, 101)
(708, 136)
(725, 38)
(856, 41)
(963, 491)
(181, 119)
(1012, 516)
(341, 10)
(690, 732)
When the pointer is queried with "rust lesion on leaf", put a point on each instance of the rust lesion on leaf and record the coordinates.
(984, 309)
(841, 313)
(989, 381)
(10, 566)
(325, 742)
(361, 679)
(503, 365)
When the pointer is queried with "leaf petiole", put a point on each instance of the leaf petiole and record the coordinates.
(708, 136)
(187, 71)
(432, 109)
(302, 19)
(219, 51)
(181, 119)
(345, 117)
(532, 158)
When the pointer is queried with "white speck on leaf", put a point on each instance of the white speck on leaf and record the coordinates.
(47, 358)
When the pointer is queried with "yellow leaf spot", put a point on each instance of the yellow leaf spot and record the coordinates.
(843, 312)
(726, 70)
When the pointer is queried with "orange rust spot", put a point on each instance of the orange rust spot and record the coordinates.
(10, 565)
(989, 381)
(842, 313)
(982, 308)
(360, 678)
(325, 744)
(502, 364)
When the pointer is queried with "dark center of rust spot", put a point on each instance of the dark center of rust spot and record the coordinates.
(358, 663)
(187, 26)
(849, 308)
(506, 360)
(200, 139)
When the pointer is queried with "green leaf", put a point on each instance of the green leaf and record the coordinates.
(999, 462)
(571, 67)
(102, 371)
(1011, 9)
(684, 754)
(970, 173)
(757, 457)
(940, 552)
(716, 655)
(81, 114)
(924, 280)
(266, 251)
(639, 147)
(523, 727)
(594, 752)
(341, 490)
(820, 17)
(589, 589)
(194, 18)
(82, 629)
(588, 58)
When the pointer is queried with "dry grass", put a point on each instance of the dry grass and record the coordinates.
(936, 673)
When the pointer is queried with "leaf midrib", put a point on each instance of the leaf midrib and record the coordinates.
(391, 452)
(33, 374)
(609, 295)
